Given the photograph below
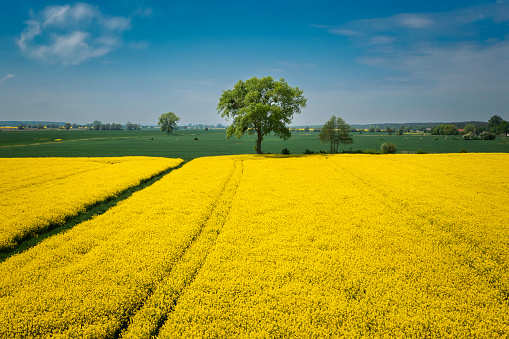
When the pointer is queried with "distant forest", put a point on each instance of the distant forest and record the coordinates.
(416, 126)
(421, 126)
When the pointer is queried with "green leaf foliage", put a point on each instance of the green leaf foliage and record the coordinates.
(260, 106)
(168, 122)
(335, 131)
(388, 148)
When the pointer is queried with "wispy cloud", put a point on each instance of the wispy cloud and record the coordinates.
(8, 76)
(143, 12)
(71, 34)
(466, 48)
(412, 21)
(138, 45)
(381, 40)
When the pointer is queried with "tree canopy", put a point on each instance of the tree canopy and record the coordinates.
(498, 125)
(168, 122)
(260, 106)
(469, 128)
(494, 121)
(336, 132)
(502, 128)
(445, 129)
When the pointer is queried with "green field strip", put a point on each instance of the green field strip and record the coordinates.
(91, 211)
(70, 140)
(182, 144)
(152, 315)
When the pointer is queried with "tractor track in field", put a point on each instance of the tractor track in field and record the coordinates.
(95, 209)
(188, 264)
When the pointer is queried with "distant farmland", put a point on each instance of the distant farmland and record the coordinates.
(61, 143)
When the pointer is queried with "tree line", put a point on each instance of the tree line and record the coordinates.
(96, 125)
(260, 106)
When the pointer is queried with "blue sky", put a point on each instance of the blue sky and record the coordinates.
(367, 61)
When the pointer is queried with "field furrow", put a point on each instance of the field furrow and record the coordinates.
(356, 246)
(322, 246)
(89, 281)
(27, 209)
(146, 322)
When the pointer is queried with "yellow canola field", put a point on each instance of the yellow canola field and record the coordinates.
(38, 192)
(89, 281)
(345, 246)
(350, 246)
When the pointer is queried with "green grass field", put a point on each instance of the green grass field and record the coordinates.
(183, 145)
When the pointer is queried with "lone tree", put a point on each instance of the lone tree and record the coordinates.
(260, 106)
(335, 131)
(168, 122)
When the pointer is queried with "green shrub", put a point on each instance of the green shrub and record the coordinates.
(388, 147)
(487, 136)
(468, 136)
(463, 151)
(285, 151)
(421, 152)
(308, 151)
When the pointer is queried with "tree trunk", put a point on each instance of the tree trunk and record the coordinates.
(259, 142)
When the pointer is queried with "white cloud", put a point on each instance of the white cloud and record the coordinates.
(143, 12)
(381, 40)
(463, 22)
(344, 32)
(464, 49)
(460, 66)
(412, 21)
(8, 76)
(71, 34)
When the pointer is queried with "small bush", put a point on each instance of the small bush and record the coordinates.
(195, 138)
(388, 147)
(435, 138)
(487, 136)
(463, 151)
(285, 151)
(308, 151)
(468, 136)
(421, 152)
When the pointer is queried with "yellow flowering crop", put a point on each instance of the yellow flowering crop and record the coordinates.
(37, 192)
(358, 246)
(88, 281)
(343, 246)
